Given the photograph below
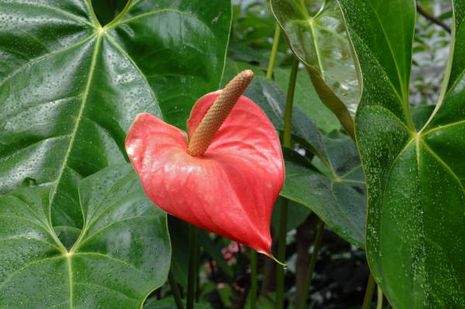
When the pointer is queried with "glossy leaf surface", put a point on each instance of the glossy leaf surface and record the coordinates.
(121, 255)
(338, 197)
(415, 237)
(317, 35)
(230, 189)
(69, 89)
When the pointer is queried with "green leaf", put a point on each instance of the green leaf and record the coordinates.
(318, 37)
(307, 100)
(415, 233)
(337, 198)
(69, 88)
(121, 255)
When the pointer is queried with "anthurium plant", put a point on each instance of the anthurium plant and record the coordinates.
(232, 154)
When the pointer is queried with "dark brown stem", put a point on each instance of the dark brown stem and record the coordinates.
(303, 242)
(433, 19)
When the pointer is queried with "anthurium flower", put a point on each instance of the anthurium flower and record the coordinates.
(224, 175)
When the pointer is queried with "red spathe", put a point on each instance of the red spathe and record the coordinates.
(231, 189)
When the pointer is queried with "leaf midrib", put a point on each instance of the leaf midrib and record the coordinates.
(78, 118)
(403, 96)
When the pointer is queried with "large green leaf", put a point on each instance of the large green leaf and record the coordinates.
(416, 217)
(338, 198)
(121, 255)
(317, 35)
(70, 88)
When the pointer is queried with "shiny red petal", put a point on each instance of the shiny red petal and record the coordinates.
(231, 189)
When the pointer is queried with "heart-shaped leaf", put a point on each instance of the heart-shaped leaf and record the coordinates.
(415, 235)
(121, 255)
(70, 88)
(338, 198)
(318, 37)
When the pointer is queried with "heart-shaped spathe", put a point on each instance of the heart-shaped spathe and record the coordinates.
(229, 190)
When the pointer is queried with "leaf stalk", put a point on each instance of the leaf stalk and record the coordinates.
(287, 142)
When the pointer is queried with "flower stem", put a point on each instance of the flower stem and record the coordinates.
(268, 268)
(369, 293)
(274, 51)
(289, 105)
(192, 274)
(217, 113)
(311, 267)
(283, 208)
(175, 291)
(253, 279)
(379, 302)
(280, 272)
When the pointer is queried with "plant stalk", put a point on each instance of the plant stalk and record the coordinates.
(253, 279)
(311, 267)
(287, 142)
(175, 290)
(284, 204)
(274, 51)
(269, 267)
(280, 272)
(369, 293)
(379, 301)
(192, 274)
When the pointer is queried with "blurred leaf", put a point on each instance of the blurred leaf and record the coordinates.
(232, 68)
(318, 37)
(121, 255)
(213, 250)
(338, 198)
